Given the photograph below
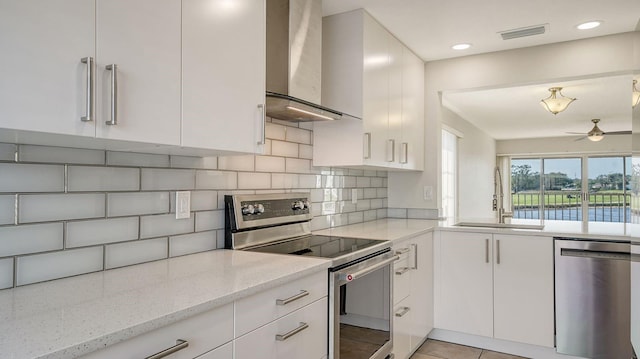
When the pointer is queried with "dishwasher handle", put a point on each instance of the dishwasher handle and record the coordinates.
(585, 253)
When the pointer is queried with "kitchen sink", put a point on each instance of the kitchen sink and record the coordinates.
(499, 225)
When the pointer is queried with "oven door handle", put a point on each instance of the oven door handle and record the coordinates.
(346, 276)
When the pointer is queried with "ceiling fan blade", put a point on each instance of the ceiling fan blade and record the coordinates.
(576, 133)
(618, 133)
(581, 138)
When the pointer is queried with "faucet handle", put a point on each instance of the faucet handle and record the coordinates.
(495, 204)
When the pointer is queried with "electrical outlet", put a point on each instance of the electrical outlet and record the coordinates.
(428, 193)
(183, 204)
(354, 195)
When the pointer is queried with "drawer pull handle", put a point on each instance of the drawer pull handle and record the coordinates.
(180, 344)
(402, 270)
(90, 81)
(302, 294)
(285, 336)
(403, 250)
(404, 311)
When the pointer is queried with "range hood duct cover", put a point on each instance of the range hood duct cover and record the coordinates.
(294, 61)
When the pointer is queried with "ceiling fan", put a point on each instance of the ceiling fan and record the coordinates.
(596, 134)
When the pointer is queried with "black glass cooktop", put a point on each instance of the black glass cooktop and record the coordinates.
(337, 248)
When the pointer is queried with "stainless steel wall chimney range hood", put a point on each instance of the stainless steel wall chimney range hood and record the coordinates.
(294, 61)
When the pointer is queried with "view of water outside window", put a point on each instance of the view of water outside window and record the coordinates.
(606, 190)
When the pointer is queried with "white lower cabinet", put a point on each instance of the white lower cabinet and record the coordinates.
(298, 335)
(223, 352)
(412, 294)
(494, 285)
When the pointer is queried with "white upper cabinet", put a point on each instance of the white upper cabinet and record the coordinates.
(142, 38)
(42, 80)
(223, 54)
(367, 73)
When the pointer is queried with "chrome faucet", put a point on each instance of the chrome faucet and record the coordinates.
(499, 191)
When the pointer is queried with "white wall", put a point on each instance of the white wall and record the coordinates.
(562, 145)
(562, 61)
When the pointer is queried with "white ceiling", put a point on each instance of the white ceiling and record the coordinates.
(430, 27)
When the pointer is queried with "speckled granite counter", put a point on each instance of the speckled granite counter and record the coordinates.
(69, 317)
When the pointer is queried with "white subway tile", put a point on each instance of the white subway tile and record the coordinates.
(284, 123)
(419, 213)
(7, 152)
(346, 207)
(275, 131)
(220, 239)
(31, 178)
(209, 220)
(397, 212)
(237, 163)
(155, 179)
(164, 225)
(305, 151)
(363, 205)
(7, 209)
(370, 192)
(355, 217)
(124, 254)
(216, 180)
(55, 207)
(381, 192)
(339, 220)
(385, 202)
(376, 203)
(127, 204)
(137, 159)
(192, 243)
(28, 153)
(321, 222)
(376, 182)
(54, 265)
(360, 193)
(310, 181)
(355, 172)
(370, 215)
(363, 182)
(369, 173)
(221, 195)
(306, 125)
(295, 165)
(382, 173)
(87, 233)
(6, 273)
(206, 163)
(16, 240)
(285, 149)
(247, 180)
(267, 147)
(285, 180)
(381, 213)
(90, 178)
(385, 182)
(349, 181)
(317, 195)
(269, 164)
(204, 200)
(298, 135)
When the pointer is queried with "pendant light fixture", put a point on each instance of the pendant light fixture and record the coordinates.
(556, 102)
(635, 99)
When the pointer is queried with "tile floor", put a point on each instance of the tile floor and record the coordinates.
(435, 349)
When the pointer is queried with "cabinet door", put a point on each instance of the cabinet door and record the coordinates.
(422, 289)
(142, 37)
(223, 54)
(223, 352)
(411, 147)
(403, 312)
(523, 289)
(43, 86)
(375, 89)
(465, 298)
(394, 133)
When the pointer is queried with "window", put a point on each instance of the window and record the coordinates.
(449, 173)
(587, 188)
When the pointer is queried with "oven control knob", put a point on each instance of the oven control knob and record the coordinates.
(259, 208)
(297, 205)
(346, 277)
(307, 205)
(248, 209)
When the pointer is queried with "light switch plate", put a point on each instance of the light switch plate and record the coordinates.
(183, 204)
(428, 193)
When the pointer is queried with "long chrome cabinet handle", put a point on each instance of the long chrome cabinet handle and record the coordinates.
(415, 255)
(404, 311)
(498, 251)
(264, 124)
(114, 94)
(180, 344)
(287, 335)
(405, 153)
(367, 149)
(293, 298)
(90, 98)
(486, 250)
(391, 143)
(402, 270)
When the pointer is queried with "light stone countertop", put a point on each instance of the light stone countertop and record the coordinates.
(391, 229)
(69, 317)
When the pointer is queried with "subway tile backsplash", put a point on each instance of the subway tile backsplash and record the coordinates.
(67, 211)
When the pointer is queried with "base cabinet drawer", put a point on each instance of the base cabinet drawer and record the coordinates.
(402, 329)
(298, 335)
(223, 352)
(203, 332)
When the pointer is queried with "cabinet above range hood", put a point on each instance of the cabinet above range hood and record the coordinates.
(294, 61)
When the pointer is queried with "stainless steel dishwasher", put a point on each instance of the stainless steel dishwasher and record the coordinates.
(592, 281)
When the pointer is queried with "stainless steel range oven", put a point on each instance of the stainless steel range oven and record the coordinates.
(359, 280)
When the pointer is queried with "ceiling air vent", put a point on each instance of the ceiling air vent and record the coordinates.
(524, 31)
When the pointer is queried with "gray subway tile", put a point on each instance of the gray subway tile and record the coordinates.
(305, 151)
(192, 243)
(156, 179)
(137, 159)
(208, 163)
(31, 178)
(209, 220)
(29, 153)
(135, 252)
(16, 240)
(269, 164)
(56, 207)
(101, 231)
(397, 212)
(298, 135)
(128, 204)
(370, 215)
(284, 149)
(216, 180)
(253, 180)
(296, 165)
(362, 182)
(7, 152)
(237, 163)
(55, 265)
(90, 178)
(6, 273)
(164, 225)
(204, 200)
(7, 209)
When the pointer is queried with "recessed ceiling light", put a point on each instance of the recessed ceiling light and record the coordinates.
(589, 25)
(461, 46)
